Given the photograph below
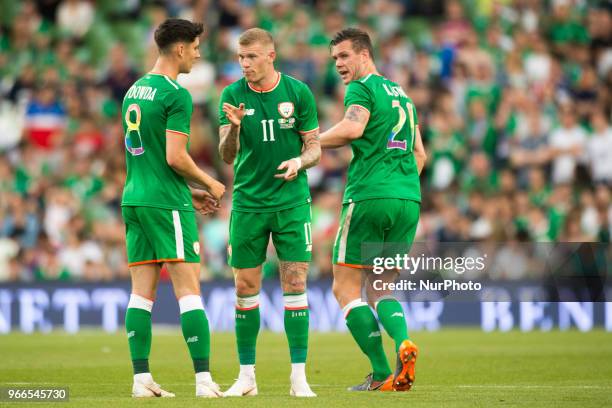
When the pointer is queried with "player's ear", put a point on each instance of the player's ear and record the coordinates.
(272, 55)
(180, 49)
(365, 55)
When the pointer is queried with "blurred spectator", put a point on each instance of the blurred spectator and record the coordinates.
(87, 139)
(61, 206)
(45, 118)
(565, 30)
(455, 27)
(480, 176)
(480, 132)
(530, 151)
(120, 75)
(567, 143)
(9, 248)
(21, 222)
(74, 17)
(538, 62)
(447, 152)
(599, 148)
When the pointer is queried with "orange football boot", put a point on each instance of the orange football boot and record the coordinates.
(404, 370)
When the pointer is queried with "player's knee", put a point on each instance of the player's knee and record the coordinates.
(147, 293)
(246, 286)
(181, 291)
(147, 290)
(294, 286)
(338, 291)
(345, 291)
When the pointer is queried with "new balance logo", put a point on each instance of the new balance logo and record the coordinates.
(249, 112)
(192, 339)
(374, 334)
(397, 314)
(131, 334)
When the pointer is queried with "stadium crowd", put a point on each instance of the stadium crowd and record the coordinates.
(514, 101)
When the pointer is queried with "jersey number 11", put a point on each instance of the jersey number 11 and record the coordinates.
(268, 124)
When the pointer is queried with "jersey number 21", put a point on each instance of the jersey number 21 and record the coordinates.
(402, 144)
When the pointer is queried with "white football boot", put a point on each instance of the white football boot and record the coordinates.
(206, 387)
(145, 387)
(244, 385)
(300, 387)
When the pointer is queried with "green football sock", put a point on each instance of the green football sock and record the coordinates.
(194, 325)
(138, 328)
(296, 325)
(391, 316)
(364, 328)
(247, 328)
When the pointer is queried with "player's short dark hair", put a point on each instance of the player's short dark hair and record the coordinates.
(359, 39)
(175, 30)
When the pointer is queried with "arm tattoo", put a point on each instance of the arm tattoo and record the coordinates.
(229, 143)
(312, 149)
(293, 276)
(356, 113)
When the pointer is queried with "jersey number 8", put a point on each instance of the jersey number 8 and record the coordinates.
(133, 140)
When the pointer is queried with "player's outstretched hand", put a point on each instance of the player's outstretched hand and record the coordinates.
(292, 167)
(204, 202)
(216, 189)
(234, 114)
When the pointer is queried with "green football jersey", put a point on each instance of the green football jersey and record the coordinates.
(153, 105)
(383, 165)
(270, 133)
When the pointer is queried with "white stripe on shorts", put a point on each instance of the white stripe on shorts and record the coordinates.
(346, 225)
(178, 235)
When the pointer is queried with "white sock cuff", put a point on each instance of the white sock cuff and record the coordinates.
(351, 305)
(298, 370)
(143, 377)
(203, 376)
(190, 302)
(380, 299)
(247, 370)
(295, 301)
(139, 302)
(247, 302)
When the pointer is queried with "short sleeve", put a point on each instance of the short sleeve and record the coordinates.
(179, 111)
(357, 94)
(226, 97)
(307, 111)
(414, 114)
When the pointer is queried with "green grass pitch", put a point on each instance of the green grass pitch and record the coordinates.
(456, 368)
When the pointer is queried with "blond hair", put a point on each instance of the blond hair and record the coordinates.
(256, 35)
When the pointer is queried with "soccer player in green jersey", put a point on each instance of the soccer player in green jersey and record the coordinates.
(158, 205)
(269, 131)
(381, 201)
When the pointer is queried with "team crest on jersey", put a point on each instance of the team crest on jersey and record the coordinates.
(285, 109)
